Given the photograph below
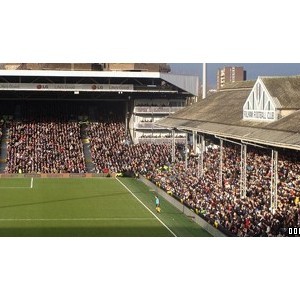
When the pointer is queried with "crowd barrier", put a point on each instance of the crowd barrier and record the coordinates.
(58, 175)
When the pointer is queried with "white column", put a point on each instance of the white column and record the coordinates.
(201, 156)
(204, 81)
(194, 142)
(274, 178)
(186, 152)
(221, 164)
(173, 145)
(243, 171)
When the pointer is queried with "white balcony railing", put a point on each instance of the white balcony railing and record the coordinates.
(160, 140)
(147, 125)
(157, 109)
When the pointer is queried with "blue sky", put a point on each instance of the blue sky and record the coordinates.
(253, 69)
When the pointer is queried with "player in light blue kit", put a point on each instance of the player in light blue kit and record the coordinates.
(157, 204)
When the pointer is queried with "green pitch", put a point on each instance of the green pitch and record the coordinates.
(87, 207)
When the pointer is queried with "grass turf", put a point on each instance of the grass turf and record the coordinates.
(87, 207)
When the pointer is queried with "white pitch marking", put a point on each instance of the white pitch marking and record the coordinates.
(14, 187)
(19, 187)
(146, 207)
(81, 219)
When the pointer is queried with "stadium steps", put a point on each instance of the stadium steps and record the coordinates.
(3, 150)
(86, 149)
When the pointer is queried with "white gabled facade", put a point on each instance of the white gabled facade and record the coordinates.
(260, 105)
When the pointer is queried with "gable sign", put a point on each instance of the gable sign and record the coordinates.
(259, 105)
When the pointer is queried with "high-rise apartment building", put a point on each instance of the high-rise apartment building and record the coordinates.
(230, 74)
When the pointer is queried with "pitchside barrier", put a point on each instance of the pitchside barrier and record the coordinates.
(189, 213)
(58, 175)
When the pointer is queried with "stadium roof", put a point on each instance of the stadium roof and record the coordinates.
(53, 73)
(221, 114)
(224, 107)
(189, 84)
(285, 89)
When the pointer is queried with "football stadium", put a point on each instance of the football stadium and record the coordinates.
(87, 148)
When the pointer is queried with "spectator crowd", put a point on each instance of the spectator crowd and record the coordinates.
(45, 141)
(112, 149)
(223, 205)
(45, 147)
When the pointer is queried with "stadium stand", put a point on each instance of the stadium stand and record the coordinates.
(264, 117)
(46, 137)
(45, 140)
(223, 206)
(1, 132)
(112, 150)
